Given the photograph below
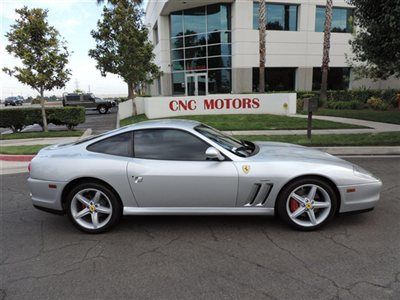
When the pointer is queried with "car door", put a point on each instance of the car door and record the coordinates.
(170, 169)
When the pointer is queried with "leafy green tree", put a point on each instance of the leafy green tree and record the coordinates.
(122, 45)
(43, 53)
(376, 45)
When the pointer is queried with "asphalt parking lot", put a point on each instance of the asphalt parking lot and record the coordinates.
(355, 257)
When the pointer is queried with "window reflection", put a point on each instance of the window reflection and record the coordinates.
(342, 19)
(200, 40)
(276, 79)
(279, 16)
(338, 78)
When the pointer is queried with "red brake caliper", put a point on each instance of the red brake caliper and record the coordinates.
(294, 205)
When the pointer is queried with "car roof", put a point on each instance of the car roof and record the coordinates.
(165, 123)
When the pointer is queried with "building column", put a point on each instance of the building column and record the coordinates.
(304, 79)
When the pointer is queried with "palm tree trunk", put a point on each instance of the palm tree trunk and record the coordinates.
(262, 31)
(325, 57)
(44, 118)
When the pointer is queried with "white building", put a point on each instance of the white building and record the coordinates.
(211, 47)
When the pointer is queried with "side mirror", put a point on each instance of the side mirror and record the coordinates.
(213, 153)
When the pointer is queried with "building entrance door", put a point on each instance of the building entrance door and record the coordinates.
(196, 84)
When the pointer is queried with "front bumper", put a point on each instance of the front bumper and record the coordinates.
(359, 197)
(46, 194)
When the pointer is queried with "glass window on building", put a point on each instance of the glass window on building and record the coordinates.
(342, 19)
(338, 78)
(194, 20)
(201, 43)
(279, 16)
(276, 79)
(219, 81)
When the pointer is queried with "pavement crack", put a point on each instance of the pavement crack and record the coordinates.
(155, 249)
(332, 238)
(306, 266)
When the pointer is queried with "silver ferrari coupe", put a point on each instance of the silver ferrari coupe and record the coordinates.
(180, 167)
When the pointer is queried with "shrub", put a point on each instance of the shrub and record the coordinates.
(377, 104)
(358, 98)
(17, 119)
(345, 104)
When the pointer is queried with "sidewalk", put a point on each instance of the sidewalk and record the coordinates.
(38, 141)
(374, 127)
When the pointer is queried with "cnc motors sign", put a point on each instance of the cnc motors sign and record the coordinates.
(279, 104)
(214, 104)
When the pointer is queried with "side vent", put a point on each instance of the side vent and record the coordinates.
(259, 194)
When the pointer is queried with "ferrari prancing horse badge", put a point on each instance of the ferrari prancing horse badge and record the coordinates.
(246, 168)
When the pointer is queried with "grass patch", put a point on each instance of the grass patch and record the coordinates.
(362, 139)
(252, 122)
(40, 134)
(17, 150)
(392, 116)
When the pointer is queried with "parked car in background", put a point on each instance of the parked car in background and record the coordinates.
(88, 101)
(14, 101)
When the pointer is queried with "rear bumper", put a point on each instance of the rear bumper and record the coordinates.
(46, 194)
(360, 197)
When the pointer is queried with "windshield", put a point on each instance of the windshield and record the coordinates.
(240, 148)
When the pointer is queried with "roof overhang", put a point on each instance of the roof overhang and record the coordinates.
(176, 5)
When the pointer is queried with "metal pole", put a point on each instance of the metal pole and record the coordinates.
(309, 124)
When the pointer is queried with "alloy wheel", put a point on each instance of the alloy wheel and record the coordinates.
(91, 208)
(308, 205)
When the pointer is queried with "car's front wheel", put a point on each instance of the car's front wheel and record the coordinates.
(93, 207)
(307, 204)
(103, 109)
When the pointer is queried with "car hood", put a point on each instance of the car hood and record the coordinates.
(284, 151)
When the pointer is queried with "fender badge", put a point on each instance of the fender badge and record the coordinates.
(246, 169)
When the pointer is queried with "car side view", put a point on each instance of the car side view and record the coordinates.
(175, 167)
(88, 101)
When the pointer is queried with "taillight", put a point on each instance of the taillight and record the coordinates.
(29, 167)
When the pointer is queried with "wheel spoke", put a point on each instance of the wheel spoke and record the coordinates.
(96, 197)
(321, 204)
(311, 193)
(95, 219)
(311, 215)
(82, 199)
(298, 212)
(298, 198)
(104, 210)
(82, 213)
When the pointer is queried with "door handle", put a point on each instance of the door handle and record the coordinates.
(137, 179)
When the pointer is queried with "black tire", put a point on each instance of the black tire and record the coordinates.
(102, 109)
(283, 199)
(116, 206)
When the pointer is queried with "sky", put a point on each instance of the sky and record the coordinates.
(74, 19)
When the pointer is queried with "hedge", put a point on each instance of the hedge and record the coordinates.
(17, 119)
(361, 95)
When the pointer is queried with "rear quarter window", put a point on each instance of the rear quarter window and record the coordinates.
(119, 145)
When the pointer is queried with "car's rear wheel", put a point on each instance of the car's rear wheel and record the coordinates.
(93, 207)
(307, 204)
(102, 109)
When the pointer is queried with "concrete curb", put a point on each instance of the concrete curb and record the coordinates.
(16, 158)
(360, 151)
(86, 133)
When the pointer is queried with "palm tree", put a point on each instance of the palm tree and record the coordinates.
(262, 29)
(325, 56)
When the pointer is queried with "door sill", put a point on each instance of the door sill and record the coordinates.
(198, 211)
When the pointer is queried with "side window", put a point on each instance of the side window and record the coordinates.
(168, 144)
(120, 145)
(73, 98)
